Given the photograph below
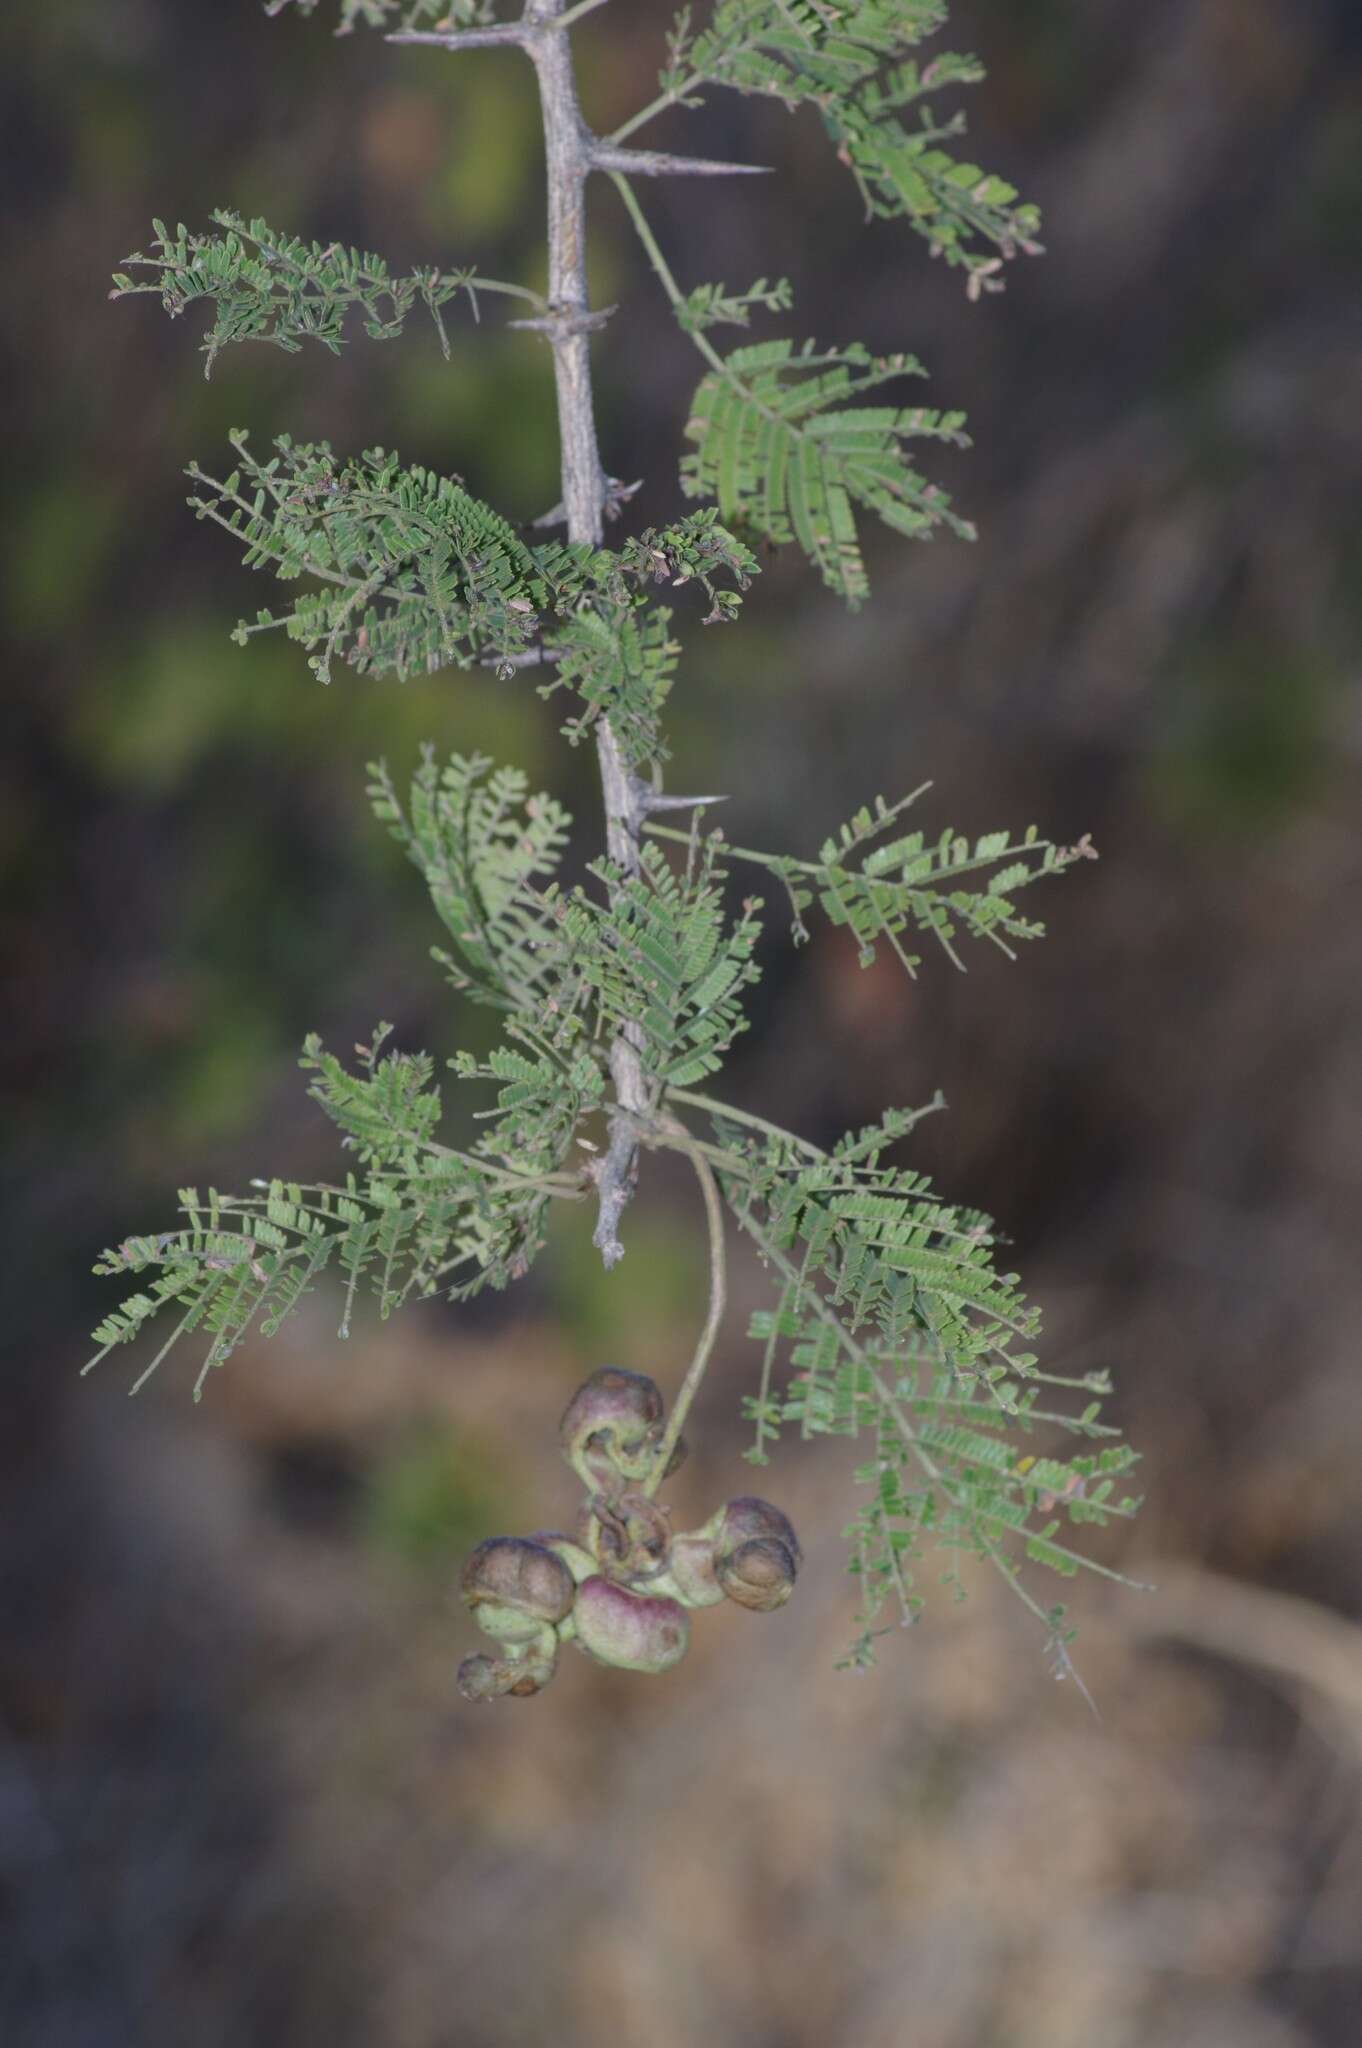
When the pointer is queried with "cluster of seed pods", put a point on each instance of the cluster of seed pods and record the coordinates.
(621, 1585)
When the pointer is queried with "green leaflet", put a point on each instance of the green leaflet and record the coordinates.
(913, 883)
(542, 1096)
(799, 49)
(244, 1264)
(264, 286)
(411, 573)
(655, 950)
(779, 447)
(484, 845)
(620, 663)
(902, 173)
(661, 955)
(387, 14)
(713, 305)
(852, 62)
(419, 1220)
(414, 572)
(893, 1324)
(611, 645)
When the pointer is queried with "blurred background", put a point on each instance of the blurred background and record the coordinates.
(240, 1801)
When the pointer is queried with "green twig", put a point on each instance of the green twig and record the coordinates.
(670, 1132)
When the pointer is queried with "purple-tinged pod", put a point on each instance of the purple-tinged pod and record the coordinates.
(578, 1561)
(756, 1555)
(631, 1631)
(612, 1427)
(518, 1591)
(690, 1576)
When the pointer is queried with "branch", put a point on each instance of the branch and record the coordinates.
(568, 146)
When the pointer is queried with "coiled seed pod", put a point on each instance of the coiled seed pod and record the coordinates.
(518, 1590)
(611, 1429)
(690, 1576)
(629, 1536)
(631, 1631)
(756, 1555)
(578, 1561)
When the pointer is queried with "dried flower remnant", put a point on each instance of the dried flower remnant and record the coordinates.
(488, 1678)
(629, 1536)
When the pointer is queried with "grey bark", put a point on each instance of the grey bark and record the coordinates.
(570, 152)
(568, 149)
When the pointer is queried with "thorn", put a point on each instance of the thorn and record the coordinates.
(649, 799)
(463, 38)
(654, 163)
(617, 495)
(566, 320)
(529, 657)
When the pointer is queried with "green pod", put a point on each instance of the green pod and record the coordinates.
(690, 1575)
(579, 1562)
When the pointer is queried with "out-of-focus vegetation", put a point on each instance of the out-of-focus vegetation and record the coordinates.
(242, 1802)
